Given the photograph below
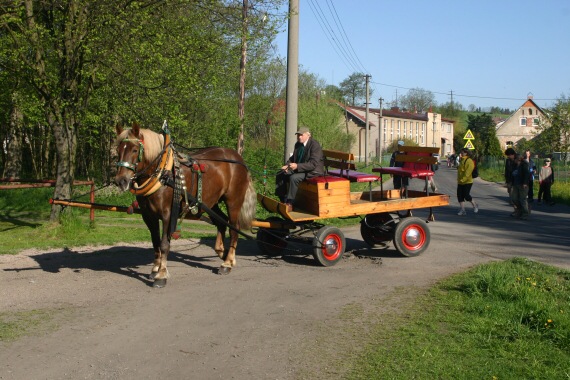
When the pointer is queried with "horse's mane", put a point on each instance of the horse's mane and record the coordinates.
(153, 142)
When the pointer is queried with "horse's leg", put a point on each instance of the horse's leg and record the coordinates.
(230, 258)
(162, 272)
(151, 222)
(219, 245)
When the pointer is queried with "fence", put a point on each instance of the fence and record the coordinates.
(561, 169)
(19, 183)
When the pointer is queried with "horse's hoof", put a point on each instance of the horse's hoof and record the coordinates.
(224, 270)
(152, 275)
(160, 283)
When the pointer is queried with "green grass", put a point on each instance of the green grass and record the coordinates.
(16, 325)
(24, 222)
(503, 320)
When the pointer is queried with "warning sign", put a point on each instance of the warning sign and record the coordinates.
(469, 135)
(469, 145)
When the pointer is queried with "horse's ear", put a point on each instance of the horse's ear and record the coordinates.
(119, 129)
(136, 129)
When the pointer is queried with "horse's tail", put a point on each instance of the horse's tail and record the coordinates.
(249, 205)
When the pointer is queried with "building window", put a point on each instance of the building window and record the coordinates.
(399, 126)
(530, 111)
(385, 127)
(417, 133)
(523, 121)
(448, 128)
(405, 128)
(535, 122)
(423, 133)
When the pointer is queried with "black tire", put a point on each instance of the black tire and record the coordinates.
(411, 237)
(378, 229)
(270, 241)
(328, 246)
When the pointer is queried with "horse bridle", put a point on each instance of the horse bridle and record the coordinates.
(129, 165)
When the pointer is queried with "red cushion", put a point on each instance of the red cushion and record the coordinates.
(355, 176)
(405, 172)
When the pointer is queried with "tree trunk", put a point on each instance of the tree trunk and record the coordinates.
(13, 165)
(65, 136)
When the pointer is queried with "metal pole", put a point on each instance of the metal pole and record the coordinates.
(380, 131)
(292, 107)
(367, 134)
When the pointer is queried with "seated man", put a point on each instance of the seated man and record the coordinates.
(306, 161)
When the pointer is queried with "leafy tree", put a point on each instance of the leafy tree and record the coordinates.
(486, 140)
(553, 135)
(451, 110)
(418, 99)
(353, 88)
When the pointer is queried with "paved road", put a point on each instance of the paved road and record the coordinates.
(492, 232)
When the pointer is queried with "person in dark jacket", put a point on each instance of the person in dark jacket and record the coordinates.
(509, 167)
(519, 191)
(399, 182)
(307, 161)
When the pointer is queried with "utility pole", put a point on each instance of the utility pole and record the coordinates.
(367, 134)
(292, 106)
(380, 100)
(243, 60)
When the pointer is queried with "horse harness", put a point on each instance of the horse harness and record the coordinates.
(168, 173)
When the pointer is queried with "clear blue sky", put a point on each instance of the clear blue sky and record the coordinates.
(488, 52)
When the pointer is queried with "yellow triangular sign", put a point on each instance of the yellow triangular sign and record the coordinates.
(469, 135)
(469, 145)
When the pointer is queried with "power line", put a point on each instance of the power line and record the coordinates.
(463, 95)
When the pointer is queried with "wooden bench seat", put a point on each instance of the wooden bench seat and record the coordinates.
(343, 163)
(416, 162)
(344, 166)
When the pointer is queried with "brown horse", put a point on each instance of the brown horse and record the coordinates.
(149, 167)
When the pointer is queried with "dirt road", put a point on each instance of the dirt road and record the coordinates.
(272, 318)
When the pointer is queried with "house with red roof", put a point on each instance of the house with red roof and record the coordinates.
(521, 124)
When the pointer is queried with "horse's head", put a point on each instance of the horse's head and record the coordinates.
(130, 153)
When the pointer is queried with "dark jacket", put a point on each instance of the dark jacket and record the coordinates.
(521, 174)
(510, 165)
(312, 162)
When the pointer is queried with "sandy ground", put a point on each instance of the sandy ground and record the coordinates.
(281, 317)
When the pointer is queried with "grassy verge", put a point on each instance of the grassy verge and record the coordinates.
(24, 223)
(507, 320)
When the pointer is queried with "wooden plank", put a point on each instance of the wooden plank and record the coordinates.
(340, 165)
(419, 149)
(338, 155)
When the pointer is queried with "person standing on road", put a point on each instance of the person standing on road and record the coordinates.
(465, 181)
(400, 183)
(519, 192)
(532, 170)
(545, 181)
(509, 167)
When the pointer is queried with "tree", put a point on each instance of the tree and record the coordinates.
(418, 100)
(486, 140)
(353, 88)
(553, 134)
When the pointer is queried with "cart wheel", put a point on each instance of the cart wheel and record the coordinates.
(412, 236)
(271, 241)
(377, 229)
(328, 246)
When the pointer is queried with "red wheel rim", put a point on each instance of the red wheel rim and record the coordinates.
(413, 237)
(332, 247)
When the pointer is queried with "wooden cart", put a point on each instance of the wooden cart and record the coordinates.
(386, 216)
